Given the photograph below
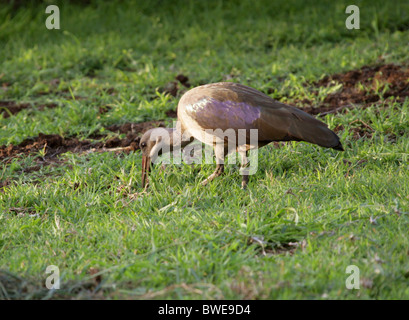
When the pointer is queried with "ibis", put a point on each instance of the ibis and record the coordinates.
(205, 111)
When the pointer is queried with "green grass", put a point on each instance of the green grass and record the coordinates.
(179, 240)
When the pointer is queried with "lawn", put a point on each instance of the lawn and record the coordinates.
(74, 102)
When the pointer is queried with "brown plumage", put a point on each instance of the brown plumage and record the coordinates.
(232, 106)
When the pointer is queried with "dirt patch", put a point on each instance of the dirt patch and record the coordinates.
(4, 184)
(171, 113)
(183, 80)
(362, 87)
(47, 145)
(42, 107)
(109, 91)
(133, 133)
(50, 146)
(172, 87)
(135, 128)
(9, 108)
(104, 109)
(359, 128)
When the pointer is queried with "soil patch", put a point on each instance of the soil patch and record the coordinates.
(8, 108)
(50, 146)
(172, 113)
(183, 80)
(135, 128)
(133, 133)
(3, 184)
(172, 87)
(359, 128)
(362, 87)
(104, 109)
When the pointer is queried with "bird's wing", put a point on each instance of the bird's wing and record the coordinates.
(233, 106)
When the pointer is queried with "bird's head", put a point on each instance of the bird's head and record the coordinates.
(153, 143)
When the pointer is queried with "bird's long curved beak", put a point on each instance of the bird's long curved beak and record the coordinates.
(146, 167)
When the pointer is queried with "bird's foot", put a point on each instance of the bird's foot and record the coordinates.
(244, 182)
(210, 178)
(219, 170)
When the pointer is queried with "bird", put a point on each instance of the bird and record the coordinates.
(205, 111)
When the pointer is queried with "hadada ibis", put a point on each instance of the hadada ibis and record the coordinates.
(231, 106)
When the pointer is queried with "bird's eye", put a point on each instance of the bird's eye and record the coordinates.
(143, 144)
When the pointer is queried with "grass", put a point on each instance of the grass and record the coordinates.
(308, 212)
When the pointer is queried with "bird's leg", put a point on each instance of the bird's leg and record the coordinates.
(219, 151)
(243, 168)
(219, 170)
